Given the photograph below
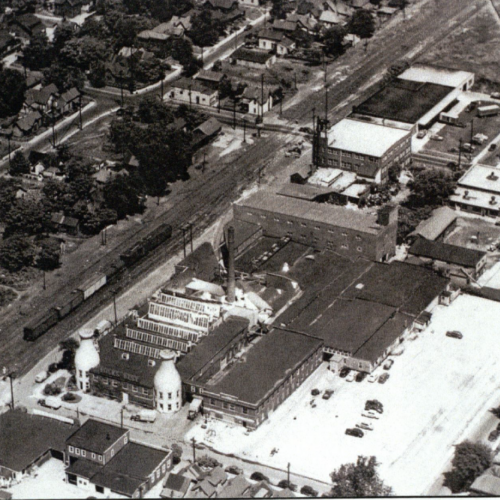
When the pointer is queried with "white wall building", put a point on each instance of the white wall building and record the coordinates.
(86, 358)
(168, 385)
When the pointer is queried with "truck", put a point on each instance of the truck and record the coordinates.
(194, 408)
(449, 117)
(491, 110)
(148, 416)
(50, 402)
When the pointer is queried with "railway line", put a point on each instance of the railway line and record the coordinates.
(211, 194)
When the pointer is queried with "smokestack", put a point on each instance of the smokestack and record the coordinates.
(230, 267)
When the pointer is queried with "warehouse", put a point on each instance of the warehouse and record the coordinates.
(371, 234)
(371, 157)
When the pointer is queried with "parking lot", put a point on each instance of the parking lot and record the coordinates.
(438, 389)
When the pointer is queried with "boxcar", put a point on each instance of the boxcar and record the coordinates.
(70, 303)
(40, 325)
(89, 287)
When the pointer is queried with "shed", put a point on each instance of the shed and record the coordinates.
(206, 131)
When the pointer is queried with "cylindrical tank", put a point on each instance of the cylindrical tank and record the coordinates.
(168, 385)
(86, 358)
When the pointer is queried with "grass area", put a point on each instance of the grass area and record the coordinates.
(20, 280)
(473, 47)
(7, 295)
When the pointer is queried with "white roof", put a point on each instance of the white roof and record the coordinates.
(327, 16)
(439, 76)
(475, 198)
(363, 137)
(480, 177)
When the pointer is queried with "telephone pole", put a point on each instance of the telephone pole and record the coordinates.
(80, 112)
(262, 96)
(193, 440)
(114, 306)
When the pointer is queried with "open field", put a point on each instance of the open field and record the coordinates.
(436, 389)
(475, 47)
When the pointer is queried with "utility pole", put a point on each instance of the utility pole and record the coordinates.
(262, 96)
(11, 376)
(184, 240)
(161, 89)
(191, 235)
(114, 307)
(193, 440)
(202, 57)
(325, 67)
(80, 112)
(459, 153)
(121, 417)
(288, 473)
(315, 141)
(244, 129)
(326, 106)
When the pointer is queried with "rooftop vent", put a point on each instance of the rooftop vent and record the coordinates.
(151, 362)
(493, 201)
(466, 194)
(492, 177)
(126, 356)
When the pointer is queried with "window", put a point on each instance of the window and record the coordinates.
(77, 451)
(163, 469)
(99, 457)
(169, 407)
(71, 449)
(144, 391)
(81, 373)
(177, 405)
(224, 405)
(115, 383)
(212, 401)
(169, 395)
(84, 453)
(134, 388)
(161, 395)
(178, 393)
(99, 489)
(245, 411)
(105, 381)
(232, 407)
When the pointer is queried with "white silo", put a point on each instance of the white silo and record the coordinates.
(168, 385)
(86, 358)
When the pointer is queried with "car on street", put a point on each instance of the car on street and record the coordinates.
(233, 469)
(454, 334)
(372, 378)
(370, 414)
(355, 432)
(350, 377)
(42, 377)
(361, 376)
(373, 404)
(383, 378)
(315, 392)
(388, 364)
(367, 426)
(436, 137)
(495, 95)
(344, 372)
(328, 394)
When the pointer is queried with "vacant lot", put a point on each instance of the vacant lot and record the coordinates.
(436, 389)
(474, 46)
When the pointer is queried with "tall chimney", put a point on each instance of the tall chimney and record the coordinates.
(230, 267)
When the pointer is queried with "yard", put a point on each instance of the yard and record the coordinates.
(437, 389)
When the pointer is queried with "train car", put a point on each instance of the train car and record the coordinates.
(40, 325)
(90, 286)
(162, 233)
(70, 303)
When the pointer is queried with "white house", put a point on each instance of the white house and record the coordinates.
(193, 92)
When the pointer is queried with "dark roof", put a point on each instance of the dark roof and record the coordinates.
(71, 94)
(84, 468)
(26, 123)
(193, 85)
(270, 34)
(283, 25)
(5, 495)
(405, 101)
(135, 370)
(177, 482)
(96, 436)
(223, 4)
(210, 76)
(445, 252)
(117, 482)
(71, 222)
(203, 353)
(267, 363)
(24, 438)
(202, 261)
(243, 230)
(260, 57)
(217, 475)
(28, 20)
(209, 127)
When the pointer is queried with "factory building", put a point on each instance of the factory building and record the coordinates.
(321, 225)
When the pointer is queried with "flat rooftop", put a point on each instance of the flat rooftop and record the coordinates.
(267, 363)
(439, 76)
(363, 221)
(96, 436)
(364, 137)
(483, 178)
(305, 191)
(475, 198)
(404, 101)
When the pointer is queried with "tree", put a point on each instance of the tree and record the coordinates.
(16, 253)
(25, 217)
(278, 9)
(12, 89)
(19, 164)
(176, 453)
(205, 31)
(65, 77)
(358, 480)
(62, 35)
(123, 195)
(409, 219)
(98, 220)
(97, 75)
(68, 347)
(430, 188)
(50, 252)
(152, 110)
(8, 189)
(469, 462)
(38, 53)
(362, 24)
(394, 173)
(333, 40)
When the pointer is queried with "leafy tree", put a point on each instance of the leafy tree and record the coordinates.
(430, 187)
(394, 173)
(19, 164)
(409, 219)
(68, 347)
(8, 189)
(362, 24)
(205, 31)
(469, 462)
(25, 217)
(333, 40)
(358, 479)
(50, 252)
(97, 75)
(98, 220)
(62, 35)
(153, 110)
(176, 453)
(123, 195)
(38, 53)
(83, 52)
(12, 89)
(287, 484)
(278, 9)
(65, 77)
(16, 253)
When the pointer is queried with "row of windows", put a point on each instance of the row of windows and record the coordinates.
(176, 314)
(144, 350)
(83, 453)
(169, 394)
(162, 341)
(191, 305)
(230, 406)
(124, 385)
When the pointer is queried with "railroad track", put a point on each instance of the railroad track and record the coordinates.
(211, 195)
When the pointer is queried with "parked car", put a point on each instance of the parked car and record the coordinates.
(367, 426)
(383, 378)
(50, 402)
(370, 414)
(344, 372)
(355, 432)
(233, 469)
(388, 364)
(495, 95)
(42, 377)
(258, 476)
(454, 334)
(436, 137)
(148, 416)
(308, 491)
(421, 134)
(373, 404)
(493, 436)
(492, 147)
(328, 394)
(372, 378)
(361, 376)
(350, 377)
(468, 147)
(315, 392)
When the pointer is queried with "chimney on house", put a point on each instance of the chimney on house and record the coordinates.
(230, 268)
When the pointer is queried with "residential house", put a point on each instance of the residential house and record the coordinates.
(256, 59)
(193, 92)
(70, 100)
(25, 26)
(34, 79)
(223, 5)
(65, 8)
(175, 486)
(329, 18)
(304, 22)
(217, 477)
(152, 38)
(8, 43)
(211, 79)
(276, 41)
(385, 13)
(284, 25)
(44, 100)
(204, 489)
(27, 125)
(206, 132)
(64, 224)
(256, 101)
(235, 488)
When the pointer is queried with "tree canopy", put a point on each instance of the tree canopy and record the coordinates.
(430, 188)
(19, 164)
(16, 253)
(362, 24)
(333, 40)
(358, 479)
(12, 89)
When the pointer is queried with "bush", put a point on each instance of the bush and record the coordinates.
(208, 462)
(52, 390)
(310, 492)
(287, 484)
(69, 396)
(176, 453)
(53, 367)
(258, 476)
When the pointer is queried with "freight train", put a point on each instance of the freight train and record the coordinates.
(48, 319)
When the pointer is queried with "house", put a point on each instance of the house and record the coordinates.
(193, 92)
(211, 79)
(101, 458)
(204, 489)
(193, 473)
(70, 100)
(152, 38)
(175, 486)
(223, 5)
(284, 25)
(329, 18)
(385, 13)
(44, 100)
(27, 125)
(257, 59)
(34, 79)
(486, 485)
(65, 8)
(206, 132)
(275, 41)
(64, 224)
(461, 264)
(8, 43)
(256, 101)
(236, 487)
(217, 477)
(304, 22)
(25, 26)
(441, 223)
